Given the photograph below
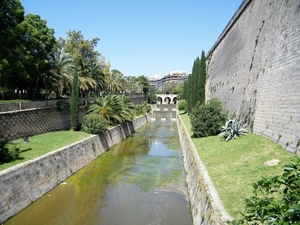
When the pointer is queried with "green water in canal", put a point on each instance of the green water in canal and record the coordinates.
(139, 181)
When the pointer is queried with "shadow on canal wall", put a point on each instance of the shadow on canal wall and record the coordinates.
(25, 183)
(206, 206)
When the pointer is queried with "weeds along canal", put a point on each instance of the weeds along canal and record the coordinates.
(139, 181)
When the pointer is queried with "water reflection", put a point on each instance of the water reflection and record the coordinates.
(139, 181)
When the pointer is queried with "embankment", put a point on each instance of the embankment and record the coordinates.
(205, 204)
(25, 183)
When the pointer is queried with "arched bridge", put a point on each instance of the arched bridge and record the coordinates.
(166, 98)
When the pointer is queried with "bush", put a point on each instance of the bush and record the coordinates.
(207, 118)
(142, 108)
(276, 199)
(182, 106)
(94, 123)
(8, 152)
(61, 105)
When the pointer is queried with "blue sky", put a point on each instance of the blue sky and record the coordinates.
(141, 37)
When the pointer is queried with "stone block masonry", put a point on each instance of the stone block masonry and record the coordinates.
(205, 204)
(25, 183)
(22, 119)
(254, 69)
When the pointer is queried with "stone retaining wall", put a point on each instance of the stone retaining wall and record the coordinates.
(205, 204)
(22, 119)
(25, 183)
(29, 122)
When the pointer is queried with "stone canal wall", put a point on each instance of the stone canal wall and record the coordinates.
(22, 119)
(254, 69)
(25, 183)
(205, 204)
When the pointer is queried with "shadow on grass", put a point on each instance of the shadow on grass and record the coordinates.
(26, 150)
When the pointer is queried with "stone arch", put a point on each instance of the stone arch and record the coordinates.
(167, 99)
(159, 100)
(174, 100)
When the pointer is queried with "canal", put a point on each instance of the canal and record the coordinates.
(139, 181)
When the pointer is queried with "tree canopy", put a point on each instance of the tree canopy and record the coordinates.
(34, 63)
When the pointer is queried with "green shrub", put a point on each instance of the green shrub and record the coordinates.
(207, 118)
(182, 106)
(94, 123)
(276, 199)
(142, 108)
(61, 105)
(8, 152)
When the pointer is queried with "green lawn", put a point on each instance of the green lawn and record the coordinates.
(233, 166)
(44, 143)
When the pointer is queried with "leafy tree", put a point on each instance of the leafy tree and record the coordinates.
(84, 53)
(207, 118)
(145, 83)
(74, 101)
(276, 199)
(151, 97)
(11, 15)
(38, 42)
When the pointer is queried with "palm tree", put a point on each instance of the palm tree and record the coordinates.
(97, 74)
(115, 108)
(61, 72)
(106, 106)
(127, 108)
(132, 86)
(114, 82)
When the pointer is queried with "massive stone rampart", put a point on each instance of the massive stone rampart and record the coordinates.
(254, 69)
(23, 184)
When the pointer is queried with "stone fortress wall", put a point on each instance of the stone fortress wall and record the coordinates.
(254, 69)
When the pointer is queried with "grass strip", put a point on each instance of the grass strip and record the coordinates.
(44, 143)
(13, 101)
(233, 166)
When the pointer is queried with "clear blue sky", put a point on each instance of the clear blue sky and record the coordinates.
(140, 37)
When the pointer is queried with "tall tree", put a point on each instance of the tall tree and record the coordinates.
(74, 101)
(202, 78)
(83, 51)
(114, 82)
(39, 43)
(11, 15)
(61, 72)
(145, 82)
